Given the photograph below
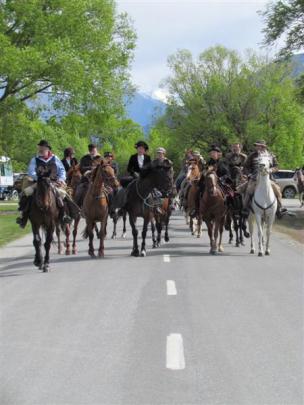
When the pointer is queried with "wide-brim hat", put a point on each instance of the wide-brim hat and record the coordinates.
(260, 143)
(108, 154)
(44, 143)
(214, 148)
(143, 144)
(161, 150)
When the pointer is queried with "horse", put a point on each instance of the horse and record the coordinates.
(264, 207)
(212, 210)
(235, 209)
(43, 215)
(157, 174)
(74, 177)
(160, 220)
(300, 183)
(193, 177)
(96, 205)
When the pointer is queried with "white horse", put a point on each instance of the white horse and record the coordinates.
(264, 206)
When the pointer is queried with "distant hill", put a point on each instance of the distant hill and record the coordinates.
(298, 64)
(142, 109)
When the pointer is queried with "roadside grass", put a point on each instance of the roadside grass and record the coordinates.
(10, 230)
(8, 207)
(292, 226)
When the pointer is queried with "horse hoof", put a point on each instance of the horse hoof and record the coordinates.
(135, 253)
(74, 251)
(67, 252)
(267, 253)
(167, 239)
(252, 251)
(221, 249)
(124, 235)
(237, 245)
(113, 237)
(243, 243)
(260, 254)
(91, 253)
(101, 255)
(143, 253)
(246, 234)
(46, 268)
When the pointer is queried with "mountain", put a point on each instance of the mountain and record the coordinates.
(298, 64)
(144, 109)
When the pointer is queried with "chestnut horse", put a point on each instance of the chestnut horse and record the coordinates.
(96, 206)
(193, 177)
(213, 211)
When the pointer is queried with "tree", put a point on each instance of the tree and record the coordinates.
(221, 98)
(285, 18)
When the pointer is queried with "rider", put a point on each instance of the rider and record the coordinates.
(251, 168)
(139, 159)
(87, 161)
(69, 160)
(45, 159)
(109, 158)
(217, 162)
(197, 158)
(235, 157)
(161, 156)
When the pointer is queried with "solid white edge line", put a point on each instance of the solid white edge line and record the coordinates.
(171, 287)
(175, 359)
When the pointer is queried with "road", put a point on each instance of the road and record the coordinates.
(177, 327)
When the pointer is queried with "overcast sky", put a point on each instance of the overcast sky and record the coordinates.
(164, 26)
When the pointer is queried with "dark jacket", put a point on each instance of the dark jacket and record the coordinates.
(252, 162)
(133, 166)
(86, 162)
(220, 167)
(68, 165)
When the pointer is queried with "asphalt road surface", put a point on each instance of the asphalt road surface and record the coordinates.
(177, 327)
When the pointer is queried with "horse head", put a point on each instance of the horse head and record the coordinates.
(103, 175)
(193, 173)
(43, 192)
(211, 181)
(160, 174)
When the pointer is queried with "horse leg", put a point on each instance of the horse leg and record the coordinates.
(135, 250)
(124, 230)
(216, 233)
(47, 246)
(90, 230)
(251, 226)
(115, 219)
(269, 223)
(236, 230)
(221, 229)
(143, 252)
(167, 239)
(153, 234)
(210, 234)
(37, 246)
(75, 230)
(260, 234)
(159, 231)
(67, 239)
(102, 234)
(59, 246)
(228, 227)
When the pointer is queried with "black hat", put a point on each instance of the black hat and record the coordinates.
(44, 143)
(214, 148)
(142, 143)
(108, 154)
(92, 146)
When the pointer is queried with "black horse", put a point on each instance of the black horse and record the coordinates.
(139, 203)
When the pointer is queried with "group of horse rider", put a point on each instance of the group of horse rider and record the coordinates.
(223, 166)
(46, 162)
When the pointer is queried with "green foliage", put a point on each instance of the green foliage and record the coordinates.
(285, 18)
(222, 98)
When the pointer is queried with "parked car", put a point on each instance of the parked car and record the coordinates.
(288, 185)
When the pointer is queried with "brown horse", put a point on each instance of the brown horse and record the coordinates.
(96, 206)
(43, 215)
(74, 177)
(213, 211)
(160, 220)
(193, 177)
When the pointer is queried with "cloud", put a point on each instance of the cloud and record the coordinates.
(163, 26)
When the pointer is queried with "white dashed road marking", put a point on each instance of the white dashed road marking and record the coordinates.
(171, 287)
(167, 258)
(175, 359)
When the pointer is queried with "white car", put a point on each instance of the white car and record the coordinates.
(288, 185)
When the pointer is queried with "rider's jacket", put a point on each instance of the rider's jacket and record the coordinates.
(252, 162)
(133, 165)
(53, 165)
(69, 163)
(220, 167)
(235, 159)
(86, 162)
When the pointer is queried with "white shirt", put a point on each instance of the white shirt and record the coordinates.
(140, 159)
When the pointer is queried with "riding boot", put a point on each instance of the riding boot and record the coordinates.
(63, 217)
(24, 208)
(280, 210)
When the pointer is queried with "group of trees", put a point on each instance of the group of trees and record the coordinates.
(222, 97)
(77, 53)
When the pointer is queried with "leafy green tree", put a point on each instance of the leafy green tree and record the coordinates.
(221, 98)
(285, 19)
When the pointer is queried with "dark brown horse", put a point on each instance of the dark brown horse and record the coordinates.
(213, 211)
(157, 174)
(44, 216)
(96, 204)
(161, 220)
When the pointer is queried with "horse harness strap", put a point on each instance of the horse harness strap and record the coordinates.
(262, 208)
(144, 198)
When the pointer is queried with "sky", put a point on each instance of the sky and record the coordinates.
(164, 26)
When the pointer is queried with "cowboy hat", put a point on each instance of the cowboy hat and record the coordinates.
(161, 150)
(143, 144)
(44, 143)
(260, 143)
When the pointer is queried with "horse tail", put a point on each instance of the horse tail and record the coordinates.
(85, 233)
